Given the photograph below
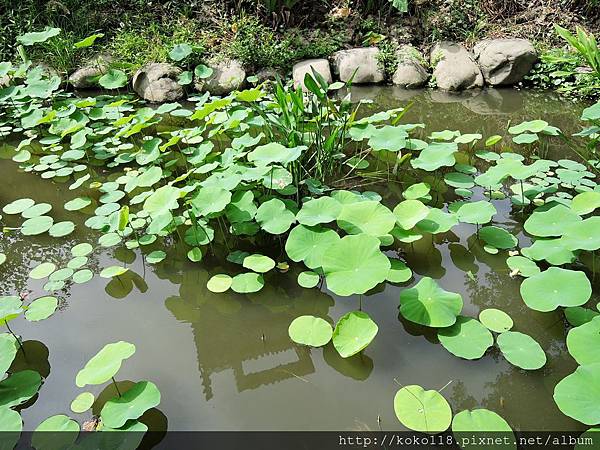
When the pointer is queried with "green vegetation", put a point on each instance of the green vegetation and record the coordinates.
(284, 171)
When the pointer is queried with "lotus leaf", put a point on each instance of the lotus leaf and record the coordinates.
(521, 350)
(219, 283)
(421, 410)
(437, 221)
(105, 364)
(19, 387)
(41, 308)
(476, 212)
(274, 217)
(130, 405)
(467, 338)
(578, 394)
(247, 283)
(320, 210)
(82, 402)
(353, 333)
(310, 330)
(523, 266)
(428, 304)
(354, 265)
(582, 235)
(368, 217)
(308, 279)
(583, 342)
(258, 263)
(409, 212)
(551, 222)
(556, 287)
(466, 423)
(495, 320)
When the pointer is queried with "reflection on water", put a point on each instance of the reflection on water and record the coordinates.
(225, 361)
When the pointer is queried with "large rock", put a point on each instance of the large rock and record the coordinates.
(411, 72)
(505, 61)
(228, 76)
(360, 65)
(454, 67)
(299, 71)
(84, 77)
(156, 82)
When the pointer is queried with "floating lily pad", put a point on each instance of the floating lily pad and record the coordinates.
(354, 265)
(585, 202)
(42, 271)
(521, 350)
(480, 212)
(36, 210)
(113, 271)
(83, 249)
(495, 320)
(577, 315)
(428, 304)
(247, 283)
(399, 272)
(353, 333)
(467, 423)
(219, 283)
(308, 279)
(82, 402)
(554, 251)
(467, 338)
(37, 225)
(523, 266)
(82, 276)
(258, 263)
(310, 330)
(41, 308)
(18, 206)
(498, 237)
(8, 351)
(155, 257)
(417, 191)
(551, 222)
(61, 229)
(437, 221)
(583, 342)
(556, 287)
(274, 217)
(578, 394)
(421, 410)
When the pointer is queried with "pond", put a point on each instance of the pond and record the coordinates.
(226, 362)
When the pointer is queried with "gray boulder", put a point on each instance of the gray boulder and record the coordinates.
(157, 83)
(82, 77)
(299, 71)
(505, 61)
(411, 72)
(228, 76)
(363, 61)
(269, 74)
(454, 67)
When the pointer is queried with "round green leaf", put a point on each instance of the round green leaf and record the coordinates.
(421, 410)
(8, 351)
(428, 304)
(495, 320)
(61, 229)
(521, 350)
(56, 432)
(82, 402)
(78, 203)
(37, 225)
(10, 422)
(41, 308)
(467, 338)
(320, 210)
(105, 364)
(18, 206)
(368, 217)
(155, 257)
(482, 421)
(399, 272)
(308, 244)
(219, 283)
(437, 221)
(353, 333)
(551, 222)
(583, 342)
(498, 237)
(83, 249)
(308, 279)
(310, 330)
(246, 283)
(195, 254)
(476, 212)
(36, 210)
(556, 287)
(82, 276)
(410, 212)
(258, 263)
(582, 235)
(19, 387)
(274, 217)
(416, 191)
(42, 270)
(523, 266)
(578, 394)
(113, 79)
(113, 271)
(354, 265)
(132, 404)
(585, 202)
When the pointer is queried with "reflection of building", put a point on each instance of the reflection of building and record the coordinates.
(247, 333)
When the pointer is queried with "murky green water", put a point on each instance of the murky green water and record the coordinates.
(225, 361)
